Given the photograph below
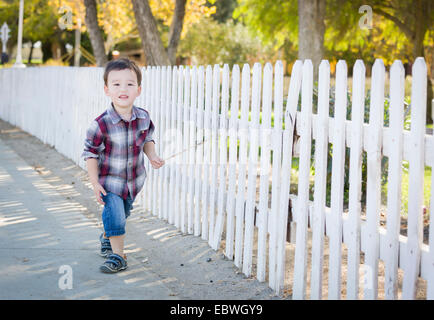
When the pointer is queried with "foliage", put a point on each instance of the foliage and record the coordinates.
(275, 22)
(211, 42)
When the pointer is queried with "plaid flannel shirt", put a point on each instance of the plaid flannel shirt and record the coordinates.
(118, 146)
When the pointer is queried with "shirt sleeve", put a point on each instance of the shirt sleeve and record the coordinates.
(94, 142)
(150, 134)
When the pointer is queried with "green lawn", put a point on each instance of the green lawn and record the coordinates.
(405, 185)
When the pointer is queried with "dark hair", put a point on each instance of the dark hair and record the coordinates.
(122, 64)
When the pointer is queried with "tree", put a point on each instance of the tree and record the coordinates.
(288, 23)
(224, 9)
(311, 15)
(151, 41)
(148, 15)
(95, 33)
(414, 18)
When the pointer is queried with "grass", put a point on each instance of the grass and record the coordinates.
(405, 185)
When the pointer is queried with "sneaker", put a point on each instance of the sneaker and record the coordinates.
(113, 264)
(106, 247)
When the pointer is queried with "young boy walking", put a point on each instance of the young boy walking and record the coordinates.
(114, 149)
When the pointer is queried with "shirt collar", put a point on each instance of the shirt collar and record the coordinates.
(135, 113)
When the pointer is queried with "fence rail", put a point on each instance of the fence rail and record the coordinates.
(229, 140)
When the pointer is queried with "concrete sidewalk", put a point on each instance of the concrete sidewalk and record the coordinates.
(43, 233)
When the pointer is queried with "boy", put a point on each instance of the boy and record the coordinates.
(114, 149)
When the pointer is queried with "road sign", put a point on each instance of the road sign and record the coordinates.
(4, 34)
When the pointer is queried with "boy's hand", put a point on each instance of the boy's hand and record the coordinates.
(156, 161)
(98, 189)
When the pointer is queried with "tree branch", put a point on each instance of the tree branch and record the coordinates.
(176, 29)
(404, 28)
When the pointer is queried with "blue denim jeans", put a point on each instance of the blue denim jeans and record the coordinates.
(115, 213)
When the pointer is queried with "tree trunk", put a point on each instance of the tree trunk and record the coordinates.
(30, 53)
(175, 29)
(155, 54)
(421, 26)
(95, 33)
(311, 14)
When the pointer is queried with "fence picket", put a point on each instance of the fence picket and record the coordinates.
(207, 153)
(192, 149)
(243, 132)
(165, 132)
(252, 171)
(214, 150)
(288, 134)
(171, 147)
(430, 259)
(199, 153)
(396, 122)
(321, 145)
(337, 184)
(373, 183)
(179, 140)
(354, 207)
(276, 146)
(416, 180)
(265, 143)
(184, 149)
(161, 120)
(233, 139)
(154, 114)
(148, 102)
(300, 259)
(218, 229)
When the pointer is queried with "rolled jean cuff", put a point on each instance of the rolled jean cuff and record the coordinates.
(114, 233)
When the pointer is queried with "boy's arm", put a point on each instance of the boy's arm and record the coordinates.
(92, 170)
(149, 150)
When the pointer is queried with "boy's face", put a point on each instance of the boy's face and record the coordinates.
(122, 88)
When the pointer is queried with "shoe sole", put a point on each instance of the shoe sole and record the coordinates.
(107, 269)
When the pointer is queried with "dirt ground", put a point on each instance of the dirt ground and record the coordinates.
(72, 182)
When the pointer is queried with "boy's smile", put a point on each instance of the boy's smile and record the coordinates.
(123, 89)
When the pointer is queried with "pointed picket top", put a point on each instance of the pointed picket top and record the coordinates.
(208, 78)
(235, 92)
(307, 87)
(359, 70)
(377, 92)
(266, 93)
(246, 70)
(236, 68)
(278, 94)
(419, 91)
(324, 95)
(256, 94)
(293, 93)
(268, 66)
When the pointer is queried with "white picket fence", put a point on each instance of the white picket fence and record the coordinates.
(215, 184)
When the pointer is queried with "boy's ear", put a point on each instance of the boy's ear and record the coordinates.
(139, 89)
(106, 90)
